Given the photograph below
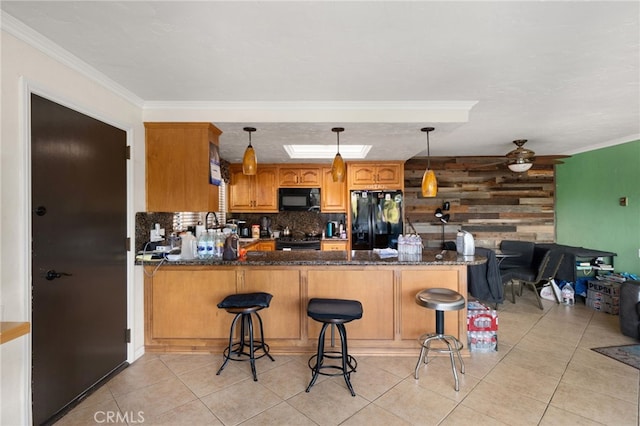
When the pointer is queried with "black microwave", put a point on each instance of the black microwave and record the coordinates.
(299, 199)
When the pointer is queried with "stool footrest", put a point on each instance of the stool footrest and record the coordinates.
(238, 350)
(351, 363)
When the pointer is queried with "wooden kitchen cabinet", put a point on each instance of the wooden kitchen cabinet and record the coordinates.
(333, 245)
(388, 175)
(333, 195)
(374, 289)
(192, 296)
(177, 167)
(262, 245)
(297, 176)
(283, 318)
(257, 193)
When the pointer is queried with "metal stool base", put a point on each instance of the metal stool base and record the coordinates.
(348, 364)
(238, 349)
(453, 346)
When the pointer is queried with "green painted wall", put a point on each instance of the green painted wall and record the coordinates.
(588, 213)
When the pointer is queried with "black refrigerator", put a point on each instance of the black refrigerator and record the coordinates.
(376, 219)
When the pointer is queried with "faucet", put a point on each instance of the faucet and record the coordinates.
(215, 218)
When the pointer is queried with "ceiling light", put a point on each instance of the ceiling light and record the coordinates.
(520, 165)
(520, 158)
(429, 182)
(326, 151)
(249, 161)
(337, 167)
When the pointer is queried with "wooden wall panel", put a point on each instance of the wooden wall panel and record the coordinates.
(487, 199)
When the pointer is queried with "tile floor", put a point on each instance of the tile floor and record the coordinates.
(544, 373)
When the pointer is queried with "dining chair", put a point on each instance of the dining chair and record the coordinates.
(543, 269)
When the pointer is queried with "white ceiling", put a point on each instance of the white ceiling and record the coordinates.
(564, 75)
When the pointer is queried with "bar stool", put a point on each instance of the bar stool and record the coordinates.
(440, 299)
(244, 306)
(334, 312)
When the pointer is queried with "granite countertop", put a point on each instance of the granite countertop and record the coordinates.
(317, 257)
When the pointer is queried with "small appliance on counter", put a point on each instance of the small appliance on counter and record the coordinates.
(265, 227)
(244, 229)
(465, 244)
(332, 229)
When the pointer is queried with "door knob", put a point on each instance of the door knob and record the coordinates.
(52, 274)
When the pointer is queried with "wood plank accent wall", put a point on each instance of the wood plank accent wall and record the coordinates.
(486, 199)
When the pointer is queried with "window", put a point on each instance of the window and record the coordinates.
(182, 220)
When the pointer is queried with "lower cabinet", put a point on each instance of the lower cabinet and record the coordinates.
(333, 245)
(282, 318)
(374, 289)
(181, 313)
(181, 304)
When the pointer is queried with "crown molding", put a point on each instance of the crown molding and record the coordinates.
(21, 31)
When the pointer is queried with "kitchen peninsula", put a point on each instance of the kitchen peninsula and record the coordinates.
(181, 297)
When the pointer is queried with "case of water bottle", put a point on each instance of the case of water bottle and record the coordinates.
(410, 247)
(482, 328)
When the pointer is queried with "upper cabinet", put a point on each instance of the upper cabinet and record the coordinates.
(297, 176)
(333, 196)
(375, 175)
(177, 167)
(257, 193)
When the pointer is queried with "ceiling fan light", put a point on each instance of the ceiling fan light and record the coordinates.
(520, 166)
(249, 160)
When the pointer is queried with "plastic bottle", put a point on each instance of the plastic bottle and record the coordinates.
(219, 244)
(211, 242)
(202, 246)
(188, 246)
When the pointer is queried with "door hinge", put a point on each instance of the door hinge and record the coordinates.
(127, 244)
(127, 152)
(127, 335)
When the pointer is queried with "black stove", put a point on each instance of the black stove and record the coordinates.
(292, 243)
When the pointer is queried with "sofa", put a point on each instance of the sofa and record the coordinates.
(630, 309)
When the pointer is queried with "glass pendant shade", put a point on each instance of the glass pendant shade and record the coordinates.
(429, 181)
(338, 169)
(520, 166)
(249, 161)
(429, 184)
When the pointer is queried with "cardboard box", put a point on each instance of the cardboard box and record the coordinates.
(611, 288)
(603, 306)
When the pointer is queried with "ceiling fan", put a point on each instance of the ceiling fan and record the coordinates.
(520, 159)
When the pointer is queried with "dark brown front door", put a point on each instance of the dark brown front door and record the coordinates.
(78, 254)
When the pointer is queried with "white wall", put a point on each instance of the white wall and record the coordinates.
(23, 66)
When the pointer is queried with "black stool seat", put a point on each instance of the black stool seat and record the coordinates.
(440, 299)
(334, 312)
(244, 305)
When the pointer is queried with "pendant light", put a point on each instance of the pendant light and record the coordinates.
(249, 162)
(337, 167)
(429, 182)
